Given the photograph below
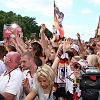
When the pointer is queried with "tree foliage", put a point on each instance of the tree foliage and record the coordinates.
(28, 24)
(98, 36)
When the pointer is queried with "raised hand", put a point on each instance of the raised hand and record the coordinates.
(67, 43)
(25, 83)
(21, 35)
(13, 41)
(60, 46)
(78, 35)
(43, 27)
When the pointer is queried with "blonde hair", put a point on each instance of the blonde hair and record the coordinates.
(47, 72)
(92, 60)
(77, 57)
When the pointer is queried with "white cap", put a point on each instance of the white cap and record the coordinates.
(75, 47)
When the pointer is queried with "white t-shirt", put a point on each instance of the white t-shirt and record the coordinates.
(11, 82)
(69, 84)
(2, 67)
(27, 74)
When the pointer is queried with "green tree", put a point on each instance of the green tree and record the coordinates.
(28, 24)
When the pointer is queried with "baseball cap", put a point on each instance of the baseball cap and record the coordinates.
(75, 47)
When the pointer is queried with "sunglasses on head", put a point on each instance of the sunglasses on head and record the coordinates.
(77, 65)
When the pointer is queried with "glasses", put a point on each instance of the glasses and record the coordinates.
(77, 65)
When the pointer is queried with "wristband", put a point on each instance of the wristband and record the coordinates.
(60, 54)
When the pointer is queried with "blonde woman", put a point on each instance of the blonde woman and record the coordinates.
(91, 91)
(44, 80)
(92, 60)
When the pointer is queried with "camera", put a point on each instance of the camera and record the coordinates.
(89, 83)
(89, 71)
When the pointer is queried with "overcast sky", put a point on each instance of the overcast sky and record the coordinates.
(80, 16)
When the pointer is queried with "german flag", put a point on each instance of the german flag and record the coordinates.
(58, 18)
(54, 87)
(97, 31)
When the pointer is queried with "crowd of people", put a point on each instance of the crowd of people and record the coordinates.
(49, 69)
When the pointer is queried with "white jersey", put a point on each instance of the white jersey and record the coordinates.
(69, 81)
(11, 82)
(28, 75)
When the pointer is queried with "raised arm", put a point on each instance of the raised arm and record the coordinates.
(80, 44)
(66, 46)
(16, 46)
(43, 40)
(19, 40)
(55, 64)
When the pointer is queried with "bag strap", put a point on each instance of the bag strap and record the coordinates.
(49, 95)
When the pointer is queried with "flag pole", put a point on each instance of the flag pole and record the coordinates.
(53, 11)
(53, 3)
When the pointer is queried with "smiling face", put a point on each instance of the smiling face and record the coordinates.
(43, 82)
